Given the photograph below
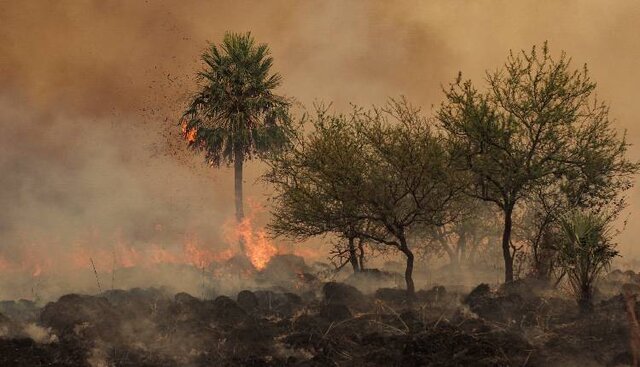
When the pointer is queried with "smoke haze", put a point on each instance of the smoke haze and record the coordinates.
(91, 91)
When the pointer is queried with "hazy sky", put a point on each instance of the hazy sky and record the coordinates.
(90, 92)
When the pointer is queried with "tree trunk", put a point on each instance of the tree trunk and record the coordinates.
(353, 257)
(462, 246)
(408, 273)
(584, 299)
(445, 246)
(237, 165)
(453, 258)
(473, 251)
(506, 244)
(361, 250)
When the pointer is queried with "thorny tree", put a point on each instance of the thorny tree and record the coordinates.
(537, 125)
(235, 115)
(591, 189)
(375, 175)
(314, 181)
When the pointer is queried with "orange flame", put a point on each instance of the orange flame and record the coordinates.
(189, 134)
(109, 254)
(201, 257)
(37, 271)
(126, 256)
(257, 245)
(162, 255)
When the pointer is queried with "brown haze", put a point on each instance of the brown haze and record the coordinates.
(91, 91)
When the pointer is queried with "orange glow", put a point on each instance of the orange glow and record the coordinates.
(200, 257)
(162, 255)
(109, 253)
(37, 271)
(308, 252)
(257, 245)
(33, 262)
(4, 264)
(189, 134)
(126, 256)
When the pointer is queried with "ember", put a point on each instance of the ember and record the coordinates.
(280, 183)
(189, 134)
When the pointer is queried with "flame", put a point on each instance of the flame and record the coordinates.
(162, 255)
(37, 271)
(189, 134)
(257, 245)
(126, 256)
(33, 262)
(201, 257)
(113, 252)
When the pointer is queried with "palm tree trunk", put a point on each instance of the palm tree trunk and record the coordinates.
(237, 165)
(584, 300)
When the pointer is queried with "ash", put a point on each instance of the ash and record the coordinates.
(308, 320)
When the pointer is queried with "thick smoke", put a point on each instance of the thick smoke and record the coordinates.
(91, 91)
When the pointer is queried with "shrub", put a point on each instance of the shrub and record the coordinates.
(585, 250)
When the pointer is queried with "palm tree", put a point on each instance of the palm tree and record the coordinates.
(584, 252)
(235, 115)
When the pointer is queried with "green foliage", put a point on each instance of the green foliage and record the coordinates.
(584, 251)
(411, 177)
(536, 123)
(235, 114)
(537, 130)
(382, 166)
(314, 178)
(375, 175)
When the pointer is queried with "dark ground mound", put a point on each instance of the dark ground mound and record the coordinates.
(523, 324)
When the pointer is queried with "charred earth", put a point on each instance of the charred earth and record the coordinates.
(307, 321)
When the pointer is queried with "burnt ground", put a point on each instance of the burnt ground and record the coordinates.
(320, 324)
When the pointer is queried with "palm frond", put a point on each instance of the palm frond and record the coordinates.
(235, 108)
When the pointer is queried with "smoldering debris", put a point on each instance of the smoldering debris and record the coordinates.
(528, 323)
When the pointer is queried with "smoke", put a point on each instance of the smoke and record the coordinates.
(91, 91)
(40, 334)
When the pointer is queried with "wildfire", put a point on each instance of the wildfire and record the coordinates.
(189, 134)
(162, 255)
(37, 271)
(257, 245)
(126, 256)
(200, 256)
(115, 252)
